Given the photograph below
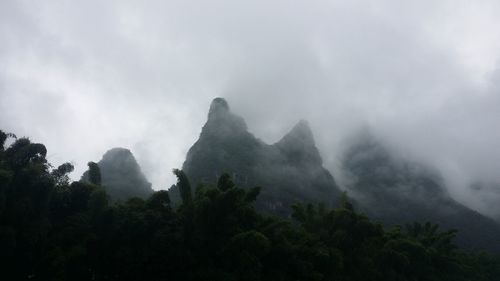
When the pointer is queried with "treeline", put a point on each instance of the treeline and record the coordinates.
(54, 229)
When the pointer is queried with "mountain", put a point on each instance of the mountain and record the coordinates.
(288, 171)
(387, 188)
(486, 197)
(121, 175)
(397, 191)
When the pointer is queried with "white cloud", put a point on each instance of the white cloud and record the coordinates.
(83, 77)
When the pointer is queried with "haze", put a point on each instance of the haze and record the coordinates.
(82, 77)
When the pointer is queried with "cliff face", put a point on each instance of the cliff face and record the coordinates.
(396, 191)
(122, 176)
(288, 171)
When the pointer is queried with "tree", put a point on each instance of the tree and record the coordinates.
(159, 199)
(60, 174)
(51, 229)
(94, 173)
(184, 186)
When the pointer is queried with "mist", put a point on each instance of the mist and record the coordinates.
(424, 77)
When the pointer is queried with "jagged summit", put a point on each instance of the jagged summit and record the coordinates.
(219, 106)
(301, 130)
(288, 171)
(221, 122)
(299, 145)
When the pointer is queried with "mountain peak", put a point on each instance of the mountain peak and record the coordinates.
(218, 107)
(122, 176)
(299, 144)
(117, 152)
(288, 171)
(222, 122)
(303, 131)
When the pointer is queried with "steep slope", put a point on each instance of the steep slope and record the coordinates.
(288, 171)
(122, 176)
(395, 191)
(485, 196)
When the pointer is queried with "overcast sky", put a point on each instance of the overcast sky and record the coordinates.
(85, 76)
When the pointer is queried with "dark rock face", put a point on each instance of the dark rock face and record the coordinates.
(298, 146)
(122, 176)
(395, 191)
(289, 171)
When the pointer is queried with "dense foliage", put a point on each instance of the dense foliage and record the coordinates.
(51, 229)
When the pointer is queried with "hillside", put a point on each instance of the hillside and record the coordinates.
(398, 191)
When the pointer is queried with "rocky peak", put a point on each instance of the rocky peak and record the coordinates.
(303, 132)
(288, 171)
(219, 107)
(121, 175)
(222, 122)
(119, 155)
(299, 145)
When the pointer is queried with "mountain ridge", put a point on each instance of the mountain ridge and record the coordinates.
(290, 170)
(292, 166)
(396, 191)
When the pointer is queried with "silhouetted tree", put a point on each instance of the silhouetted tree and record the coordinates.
(184, 186)
(94, 173)
(51, 229)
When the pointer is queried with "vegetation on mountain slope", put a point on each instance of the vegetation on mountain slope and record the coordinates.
(54, 229)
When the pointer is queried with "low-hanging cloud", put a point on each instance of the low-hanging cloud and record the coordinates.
(84, 77)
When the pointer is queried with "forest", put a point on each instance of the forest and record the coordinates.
(52, 228)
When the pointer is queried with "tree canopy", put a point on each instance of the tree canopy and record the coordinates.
(54, 229)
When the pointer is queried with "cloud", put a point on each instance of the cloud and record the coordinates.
(84, 77)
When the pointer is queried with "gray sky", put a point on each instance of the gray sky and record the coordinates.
(85, 76)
